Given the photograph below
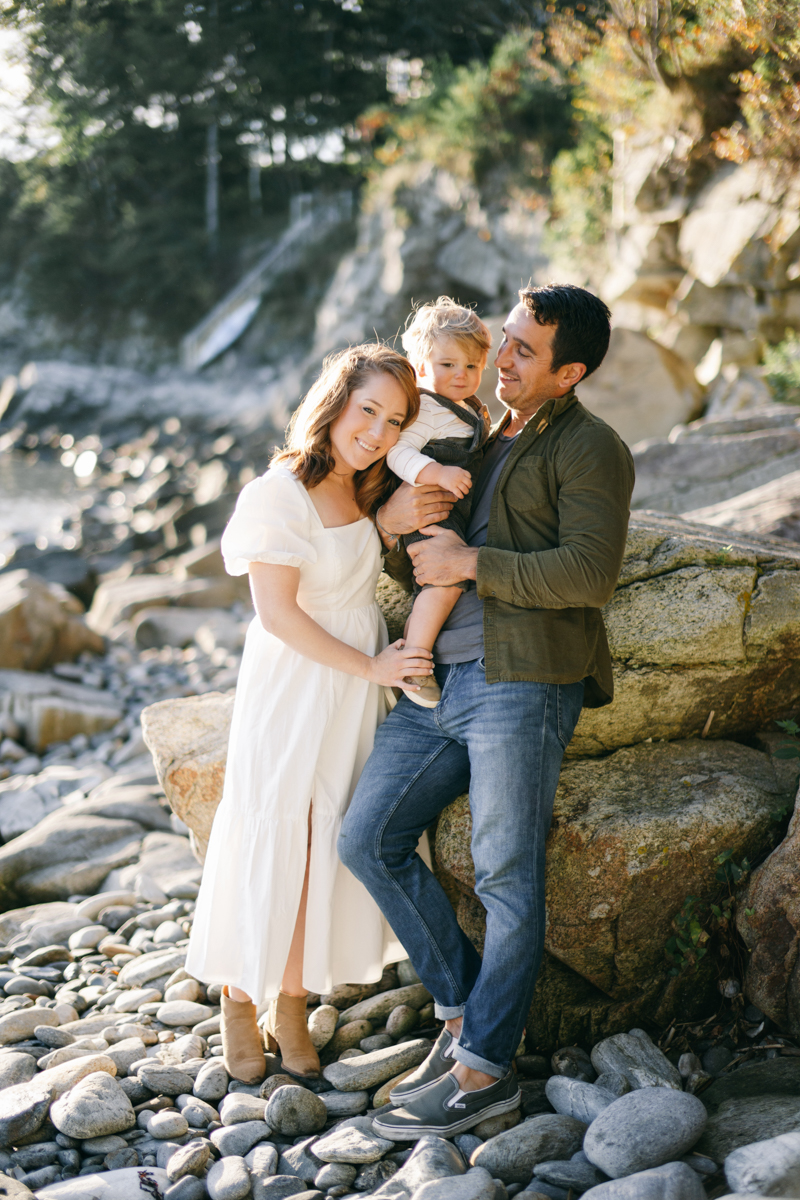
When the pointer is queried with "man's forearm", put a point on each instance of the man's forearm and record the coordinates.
(565, 577)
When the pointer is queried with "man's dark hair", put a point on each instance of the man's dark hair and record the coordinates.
(582, 321)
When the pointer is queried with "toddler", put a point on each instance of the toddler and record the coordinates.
(448, 346)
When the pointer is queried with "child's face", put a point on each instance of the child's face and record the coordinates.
(453, 369)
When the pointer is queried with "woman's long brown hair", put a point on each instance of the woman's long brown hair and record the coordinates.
(307, 450)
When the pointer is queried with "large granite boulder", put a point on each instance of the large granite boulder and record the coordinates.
(633, 835)
(73, 850)
(702, 622)
(41, 623)
(53, 710)
(641, 389)
(713, 461)
(188, 739)
(768, 918)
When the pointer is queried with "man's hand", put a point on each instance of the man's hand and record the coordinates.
(444, 559)
(409, 508)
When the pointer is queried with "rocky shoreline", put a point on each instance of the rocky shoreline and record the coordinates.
(112, 1085)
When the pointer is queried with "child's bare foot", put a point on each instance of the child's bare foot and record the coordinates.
(429, 693)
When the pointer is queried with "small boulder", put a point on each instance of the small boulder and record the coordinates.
(646, 1128)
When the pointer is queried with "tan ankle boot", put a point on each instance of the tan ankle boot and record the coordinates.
(287, 1030)
(242, 1048)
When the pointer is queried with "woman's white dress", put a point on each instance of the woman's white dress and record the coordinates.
(300, 736)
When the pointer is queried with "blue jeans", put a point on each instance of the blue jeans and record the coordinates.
(504, 743)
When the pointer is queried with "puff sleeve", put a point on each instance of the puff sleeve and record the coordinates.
(272, 523)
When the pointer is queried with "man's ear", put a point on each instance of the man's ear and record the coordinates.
(570, 375)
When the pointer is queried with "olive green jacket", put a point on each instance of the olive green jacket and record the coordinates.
(553, 553)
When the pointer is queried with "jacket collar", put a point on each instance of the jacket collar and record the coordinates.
(549, 412)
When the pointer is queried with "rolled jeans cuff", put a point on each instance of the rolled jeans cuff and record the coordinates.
(476, 1063)
(448, 1014)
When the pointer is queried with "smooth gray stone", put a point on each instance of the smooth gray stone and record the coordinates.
(228, 1179)
(212, 1081)
(368, 1070)
(743, 1120)
(511, 1156)
(351, 1146)
(373, 1175)
(40, 1154)
(431, 1158)
(165, 1081)
(547, 1191)
(277, 1187)
(293, 1111)
(573, 1098)
(239, 1139)
(344, 1104)
(190, 1159)
(165, 1152)
(768, 1168)
(94, 1107)
(300, 1161)
(237, 1107)
(52, 1036)
(476, 1184)
(23, 1109)
(635, 1056)
(41, 1178)
(135, 1090)
(16, 1067)
(672, 1181)
(334, 1175)
(579, 1176)
(188, 1188)
(613, 1082)
(701, 1164)
(775, 1077)
(262, 1160)
(377, 1008)
(468, 1143)
(574, 1063)
(644, 1129)
(376, 1041)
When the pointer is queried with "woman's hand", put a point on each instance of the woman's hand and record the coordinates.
(393, 665)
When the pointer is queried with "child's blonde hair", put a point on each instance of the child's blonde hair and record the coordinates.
(443, 318)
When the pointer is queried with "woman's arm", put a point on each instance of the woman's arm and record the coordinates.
(274, 590)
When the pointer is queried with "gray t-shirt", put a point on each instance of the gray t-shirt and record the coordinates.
(461, 637)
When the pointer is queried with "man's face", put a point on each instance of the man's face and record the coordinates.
(523, 363)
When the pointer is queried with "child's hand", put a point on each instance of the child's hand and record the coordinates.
(455, 480)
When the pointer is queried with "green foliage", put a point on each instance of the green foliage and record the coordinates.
(702, 926)
(112, 219)
(513, 110)
(782, 369)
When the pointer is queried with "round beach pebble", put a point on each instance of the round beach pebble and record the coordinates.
(94, 1107)
(294, 1110)
(644, 1129)
(182, 1012)
(166, 1125)
(228, 1179)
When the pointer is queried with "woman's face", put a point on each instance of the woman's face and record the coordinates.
(369, 425)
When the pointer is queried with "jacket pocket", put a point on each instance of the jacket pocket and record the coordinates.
(527, 487)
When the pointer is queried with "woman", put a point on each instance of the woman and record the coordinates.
(278, 915)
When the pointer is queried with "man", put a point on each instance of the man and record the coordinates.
(522, 651)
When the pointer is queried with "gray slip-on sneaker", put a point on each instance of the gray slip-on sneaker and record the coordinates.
(438, 1063)
(444, 1109)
